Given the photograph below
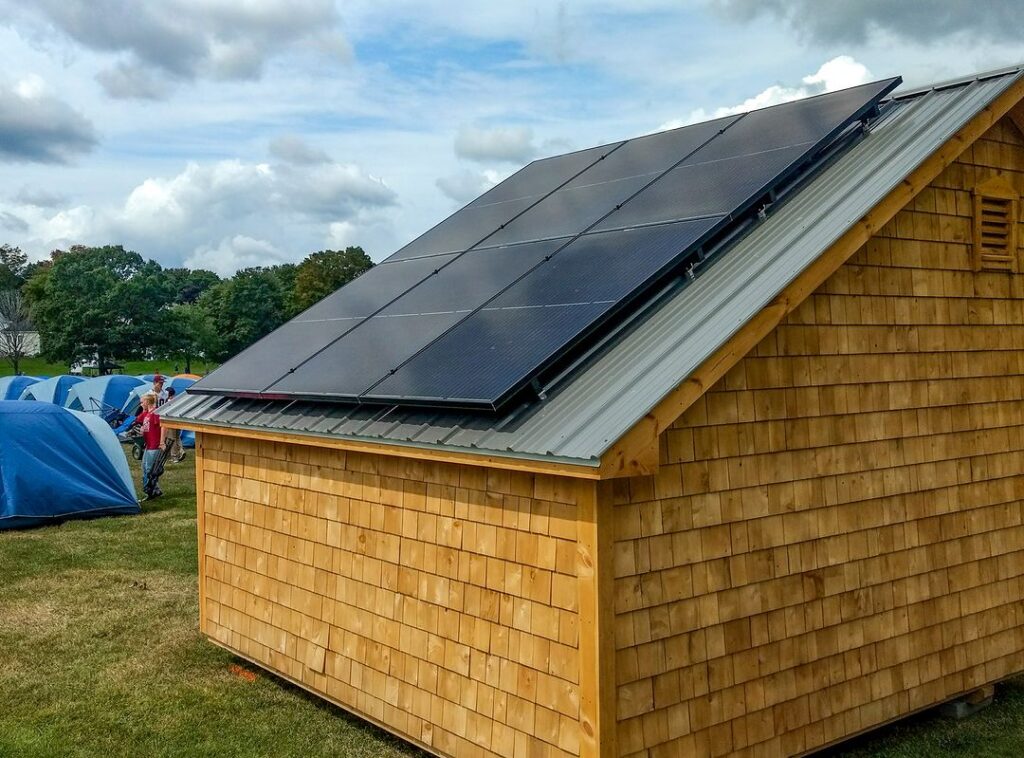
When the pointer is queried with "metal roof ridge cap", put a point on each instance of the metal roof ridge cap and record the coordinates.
(969, 79)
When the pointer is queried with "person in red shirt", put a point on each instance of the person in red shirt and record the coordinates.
(151, 435)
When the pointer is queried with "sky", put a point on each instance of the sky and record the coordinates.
(222, 134)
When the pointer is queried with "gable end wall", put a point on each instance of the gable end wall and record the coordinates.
(834, 538)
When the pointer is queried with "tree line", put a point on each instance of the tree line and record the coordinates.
(108, 303)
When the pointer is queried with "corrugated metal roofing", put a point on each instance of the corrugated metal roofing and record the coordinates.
(584, 416)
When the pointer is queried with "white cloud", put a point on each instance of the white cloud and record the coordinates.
(38, 198)
(830, 22)
(291, 148)
(341, 234)
(128, 82)
(184, 40)
(36, 126)
(513, 144)
(467, 185)
(838, 73)
(281, 206)
(234, 253)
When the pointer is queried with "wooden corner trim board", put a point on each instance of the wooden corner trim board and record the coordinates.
(527, 465)
(641, 442)
(597, 620)
(201, 528)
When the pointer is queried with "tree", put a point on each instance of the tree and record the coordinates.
(97, 302)
(13, 263)
(188, 284)
(243, 309)
(15, 328)
(190, 333)
(323, 272)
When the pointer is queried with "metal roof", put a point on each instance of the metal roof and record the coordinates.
(603, 399)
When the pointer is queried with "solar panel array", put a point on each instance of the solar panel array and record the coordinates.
(472, 311)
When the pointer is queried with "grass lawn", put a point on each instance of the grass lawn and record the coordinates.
(40, 367)
(100, 656)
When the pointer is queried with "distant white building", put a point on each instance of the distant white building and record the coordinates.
(29, 341)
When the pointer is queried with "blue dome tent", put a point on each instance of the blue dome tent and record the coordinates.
(103, 396)
(53, 390)
(134, 402)
(56, 465)
(11, 387)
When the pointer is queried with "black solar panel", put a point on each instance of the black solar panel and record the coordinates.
(475, 223)
(412, 321)
(520, 279)
(581, 202)
(542, 312)
(260, 365)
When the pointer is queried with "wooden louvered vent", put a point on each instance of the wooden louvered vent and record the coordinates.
(995, 226)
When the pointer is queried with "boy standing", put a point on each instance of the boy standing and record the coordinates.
(151, 435)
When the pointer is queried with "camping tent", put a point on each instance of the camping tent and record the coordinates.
(107, 441)
(56, 465)
(134, 402)
(104, 396)
(53, 390)
(11, 387)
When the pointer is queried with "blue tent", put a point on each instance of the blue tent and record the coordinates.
(104, 396)
(146, 377)
(53, 390)
(11, 387)
(134, 402)
(55, 465)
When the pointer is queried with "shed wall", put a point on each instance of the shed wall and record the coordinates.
(440, 601)
(834, 538)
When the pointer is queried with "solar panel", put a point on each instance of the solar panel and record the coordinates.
(581, 202)
(354, 362)
(478, 362)
(263, 363)
(752, 154)
(478, 220)
(525, 277)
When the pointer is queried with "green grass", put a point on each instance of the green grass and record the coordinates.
(41, 367)
(994, 732)
(100, 655)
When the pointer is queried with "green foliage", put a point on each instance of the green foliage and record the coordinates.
(189, 334)
(105, 301)
(13, 263)
(244, 308)
(188, 284)
(324, 272)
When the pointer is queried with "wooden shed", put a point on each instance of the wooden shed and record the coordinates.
(779, 506)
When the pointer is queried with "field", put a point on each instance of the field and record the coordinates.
(100, 656)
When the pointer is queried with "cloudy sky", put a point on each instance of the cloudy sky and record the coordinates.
(230, 133)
